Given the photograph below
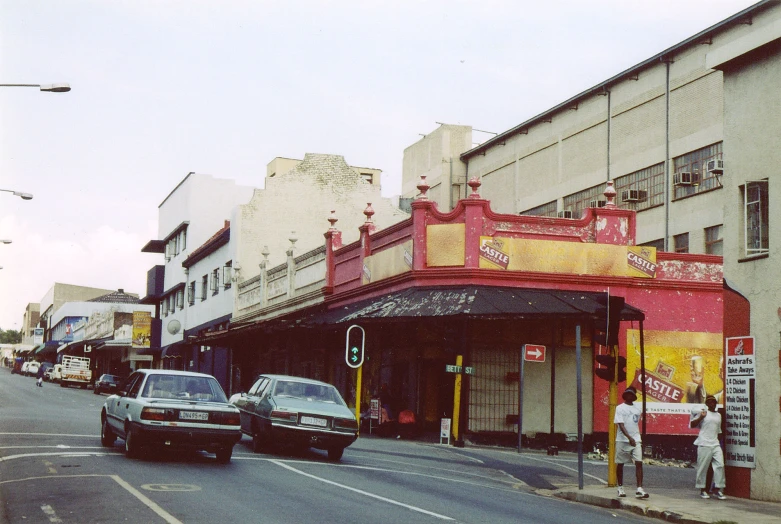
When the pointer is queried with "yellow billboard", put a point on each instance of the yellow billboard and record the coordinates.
(142, 329)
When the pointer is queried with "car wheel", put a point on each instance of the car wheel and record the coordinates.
(131, 444)
(96, 391)
(224, 454)
(62, 384)
(107, 436)
(335, 453)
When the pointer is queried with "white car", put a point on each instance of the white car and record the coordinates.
(32, 368)
(167, 408)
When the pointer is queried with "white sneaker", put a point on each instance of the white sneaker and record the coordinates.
(704, 495)
(621, 492)
(641, 494)
(719, 495)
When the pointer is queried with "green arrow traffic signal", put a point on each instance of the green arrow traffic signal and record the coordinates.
(354, 351)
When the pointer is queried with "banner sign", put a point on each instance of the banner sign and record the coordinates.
(142, 329)
(740, 377)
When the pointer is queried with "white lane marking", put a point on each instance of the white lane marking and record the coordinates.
(147, 501)
(130, 489)
(361, 492)
(50, 513)
(93, 435)
(56, 454)
(460, 455)
(566, 467)
(59, 446)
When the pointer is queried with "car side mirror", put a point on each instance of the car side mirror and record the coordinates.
(122, 393)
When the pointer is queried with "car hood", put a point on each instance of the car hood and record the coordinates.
(322, 408)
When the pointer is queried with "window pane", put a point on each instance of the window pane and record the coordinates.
(757, 234)
(681, 243)
(713, 241)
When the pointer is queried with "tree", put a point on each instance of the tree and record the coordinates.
(10, 336)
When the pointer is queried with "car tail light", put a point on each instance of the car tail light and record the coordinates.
(285, 415)
(230, 419)
(345, 423)
(153, 414)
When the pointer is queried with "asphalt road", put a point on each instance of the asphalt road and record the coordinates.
(53, 469)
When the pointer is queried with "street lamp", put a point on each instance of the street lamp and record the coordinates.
(51, 88)
(23, 196)
(5, 241)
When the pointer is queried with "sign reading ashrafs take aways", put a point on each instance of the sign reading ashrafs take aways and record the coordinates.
(739, 390)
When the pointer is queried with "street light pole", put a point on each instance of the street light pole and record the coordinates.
(23, 196)
(50, 88)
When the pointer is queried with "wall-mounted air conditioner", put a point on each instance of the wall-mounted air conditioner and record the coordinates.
(634, 195)
(565, 214)
(715, 166)
(686, 178)
(597, 203)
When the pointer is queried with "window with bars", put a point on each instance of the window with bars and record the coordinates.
(756, 217)
(215, 281)
(545, 210)
(681, 243)
(713, 240)
(204, 287)
(191, 293)
(642, 189)
(694, 172)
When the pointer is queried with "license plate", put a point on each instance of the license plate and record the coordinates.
(313, 421)
(193, 415)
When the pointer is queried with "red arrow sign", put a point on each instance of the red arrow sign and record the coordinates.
(533, 353)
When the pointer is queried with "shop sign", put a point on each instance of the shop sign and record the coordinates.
(740, 377)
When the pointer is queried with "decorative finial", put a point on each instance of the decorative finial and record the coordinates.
(369, 212)
(293, 239)
(610, 195)
(265, 252)
(474, 183)
(332, 219)
(423, 187)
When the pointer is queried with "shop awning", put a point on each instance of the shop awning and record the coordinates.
(484, 302)
(46, 349)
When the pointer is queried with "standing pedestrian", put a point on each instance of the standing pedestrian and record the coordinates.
(629, 447)
(709, 449)
(41, 369)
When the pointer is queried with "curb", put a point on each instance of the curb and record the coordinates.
(629, 505)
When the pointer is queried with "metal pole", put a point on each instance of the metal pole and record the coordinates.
(520, 400)
(667, 157)
(580, 405)
(642, 373)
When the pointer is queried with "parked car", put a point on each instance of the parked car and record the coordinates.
(56, 373)
(162, 408)
(107, 383)
(47, 369)
(18, 364)
(32, 368)
(281, 411)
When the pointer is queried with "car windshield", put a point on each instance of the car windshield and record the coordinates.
(110, 378)
(303, 390)
(183, 387)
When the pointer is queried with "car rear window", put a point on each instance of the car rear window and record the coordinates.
(184, 388)
(303, 390)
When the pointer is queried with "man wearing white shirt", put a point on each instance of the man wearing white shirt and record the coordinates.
(629, 447)
(709, 449)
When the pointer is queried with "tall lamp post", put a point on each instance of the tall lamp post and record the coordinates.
(23, 196)
(50, 88)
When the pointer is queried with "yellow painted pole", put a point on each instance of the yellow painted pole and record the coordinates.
(457, 398)
(359, 375)
(611, 432)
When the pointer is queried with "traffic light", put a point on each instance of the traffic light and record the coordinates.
(621, 369)
(608, 372)
(608, 320)
(354, 349)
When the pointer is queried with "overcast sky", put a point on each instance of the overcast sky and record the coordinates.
(162, 88)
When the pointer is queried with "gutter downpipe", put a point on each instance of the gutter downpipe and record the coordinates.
(609, 116)
(667, 62)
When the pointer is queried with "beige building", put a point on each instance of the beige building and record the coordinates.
(30, 319)
(690, 138)
(59, 294)
(751, 67)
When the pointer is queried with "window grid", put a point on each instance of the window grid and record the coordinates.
(650, 180)
(695, 163)
(545, 210)
(215, 281)
(577, 202)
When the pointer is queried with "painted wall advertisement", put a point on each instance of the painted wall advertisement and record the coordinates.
(681, 369)
(740, 376)
(142, 329)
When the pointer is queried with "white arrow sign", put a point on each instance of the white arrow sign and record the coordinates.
(534, 353)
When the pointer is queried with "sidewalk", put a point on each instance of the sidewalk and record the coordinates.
(676, 506)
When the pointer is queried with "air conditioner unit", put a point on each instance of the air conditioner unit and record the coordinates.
(715, 166)
(597, 203)
(685, 178)
(565, 214)
(634, 195)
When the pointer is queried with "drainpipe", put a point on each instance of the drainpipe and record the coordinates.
(609, 116)
(667, 63)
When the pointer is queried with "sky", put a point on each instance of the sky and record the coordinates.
(161, 88)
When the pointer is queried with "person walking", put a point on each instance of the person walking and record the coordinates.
(709, 450)
(629, 447)
(40, 376)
